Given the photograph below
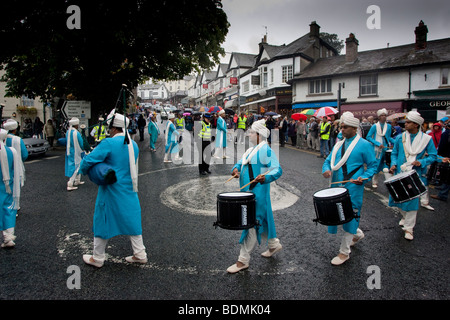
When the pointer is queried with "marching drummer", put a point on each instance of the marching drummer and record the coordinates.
(412, 150)
(380, 136)
(259, 163)
(346, 163)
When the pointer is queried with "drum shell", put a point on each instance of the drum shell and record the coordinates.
(334, 210)
(439, 173)
(236, 213)
(405, 188)
(387, 157)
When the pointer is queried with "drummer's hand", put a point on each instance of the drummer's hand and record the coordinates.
(446, 160)
(357, 181)
(416, 163)
(327, 174)
(235, 173)
(392, 169)
(260, 178)
(380, 146)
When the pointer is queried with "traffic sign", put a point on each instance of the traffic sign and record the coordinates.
(76, 109)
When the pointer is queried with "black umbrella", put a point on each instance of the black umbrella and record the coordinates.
(229, 111)
(270, 113)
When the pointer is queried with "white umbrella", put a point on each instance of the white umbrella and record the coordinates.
(325, 111)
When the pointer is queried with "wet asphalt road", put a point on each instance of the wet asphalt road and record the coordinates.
(188, 257)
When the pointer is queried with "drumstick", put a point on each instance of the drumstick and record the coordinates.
(263, 174)
(345, 181)
(230, 178)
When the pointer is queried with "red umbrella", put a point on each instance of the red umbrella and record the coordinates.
(325, 111)
(215, 109)
(299, 116)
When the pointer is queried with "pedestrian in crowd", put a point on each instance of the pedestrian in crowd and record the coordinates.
(270, 124)
(180, 125)
(396, 129)
(301, 134)
(28, 128)
(444, 156)
(117, 208)
(314, 131)
(221, 136)
(352, 159)
(283, 128)
(436, 133)
(38, 128)
(141, 123)
(99, 131)
(11, 175)
(259, 161)
(74, 150)
(14, 141)
(241, 127)
(49, 131)
(380, 135)
(132, 127)
(153, 131)
(413, 150)
(204, 141)
(171, 140)
(334, 132)
(324, 135)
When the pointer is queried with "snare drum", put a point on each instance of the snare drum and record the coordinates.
(236, 210)
(439, 173)
(333, 207)
(405, 186)
(387, 157)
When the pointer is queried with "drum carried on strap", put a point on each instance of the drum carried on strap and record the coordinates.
(439, 173)
(236, 210)
(102, 174)
(387, 157)
(333, 207)
(405, 186)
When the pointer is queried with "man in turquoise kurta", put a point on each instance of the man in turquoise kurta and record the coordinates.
(117, 208)
(266, 169)
(171, 140)
(74, 153)
(380, 136)
(153, 131)
(349, 165)
(221, 136)
(413, 150)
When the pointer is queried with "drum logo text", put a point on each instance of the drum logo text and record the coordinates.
(244, 214)
(340, 211)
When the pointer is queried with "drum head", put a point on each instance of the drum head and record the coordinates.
(235, 195)
(330, 192)
(399, 176)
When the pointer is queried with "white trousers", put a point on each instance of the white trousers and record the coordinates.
(250, 242)
(347, 241)
(75, 179)
(136, 243)
(409, 219)
(8, 235)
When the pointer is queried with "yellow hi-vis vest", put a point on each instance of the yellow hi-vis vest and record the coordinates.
(179, 123)
(324, 128)
(241, 122)
(205, 133)
(100, 135)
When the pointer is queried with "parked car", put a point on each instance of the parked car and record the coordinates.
(36, 146)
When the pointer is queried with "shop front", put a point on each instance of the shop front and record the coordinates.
(275, 100)
(364, 110)
(430, 109)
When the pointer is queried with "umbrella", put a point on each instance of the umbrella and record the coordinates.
(299, 116)
(308, 112)
(229, 111)
(325, 111)
(396, 115)
(202, 109)
(270, 113)
(186, 114)
(214, 109)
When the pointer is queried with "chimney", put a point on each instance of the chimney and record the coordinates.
(351, 48)
(421, 36)
(314, 30)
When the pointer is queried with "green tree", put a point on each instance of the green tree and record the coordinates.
(333, 40)
(118, 42)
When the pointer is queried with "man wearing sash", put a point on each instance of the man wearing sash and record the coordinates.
(380, 136)
(153, 131)
(117, 208)
(221, 136)
(346, 162)
(171, 139)
(258, 163)
(412, 150)
(73, 156)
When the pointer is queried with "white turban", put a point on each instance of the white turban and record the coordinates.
(415, 117)
(260, 128)
(349, 119)
(74, 121)
(221, 112)
(171, 116)
(382, 111)
(3, 134)
(120, 121)
(10, 124)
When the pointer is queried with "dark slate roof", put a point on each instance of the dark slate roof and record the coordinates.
(244, 60)
(405, 56)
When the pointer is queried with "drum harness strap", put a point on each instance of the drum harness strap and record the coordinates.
(252, 177)
(347, 176)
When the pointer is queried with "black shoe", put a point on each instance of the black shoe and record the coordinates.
(203, 173)
(209, 172)
(319, 156)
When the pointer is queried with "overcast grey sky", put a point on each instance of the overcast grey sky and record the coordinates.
(288, 20)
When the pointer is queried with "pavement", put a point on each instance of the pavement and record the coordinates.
(188, 256)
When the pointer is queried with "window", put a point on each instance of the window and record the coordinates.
(27, 101)
(246, 86)
(263, 76)
(444, 77)
(368, 85)
(286, 72)
(271, 75)
(320, 86)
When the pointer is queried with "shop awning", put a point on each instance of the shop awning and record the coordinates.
(365, 110)
(314, 105)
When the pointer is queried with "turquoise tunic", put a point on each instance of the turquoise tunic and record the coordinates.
(117, 208)
(172, 139)
(372, 136)
(264, 160)
(70, 159)
(23, 148)
(7, 215)
(398, 158)
(221, 133)
(153, 131)
(361, 155)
